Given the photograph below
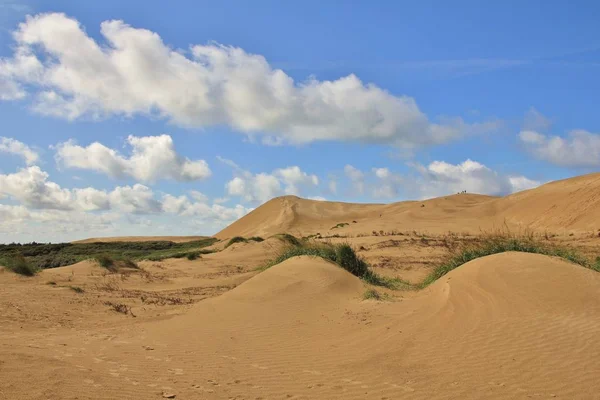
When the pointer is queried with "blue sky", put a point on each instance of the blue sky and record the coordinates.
(177, 118)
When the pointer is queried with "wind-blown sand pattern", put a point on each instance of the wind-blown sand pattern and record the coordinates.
(507, 326)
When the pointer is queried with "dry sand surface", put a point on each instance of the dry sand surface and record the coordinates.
(176, 239)
(506, 326)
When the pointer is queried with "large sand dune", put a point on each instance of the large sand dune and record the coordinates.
(571, 205)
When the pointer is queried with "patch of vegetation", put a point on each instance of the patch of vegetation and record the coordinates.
(240, 239)
(596, 266)
(19, 265)
(373, 294)
(345, 256)
(341, 254)
(289, 239)
(77, 289)
(340, 225)
(119, 307)
(106, 261)
(500, 243)
(52, 255)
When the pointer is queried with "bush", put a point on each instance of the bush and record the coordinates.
(106, 261)
(193, 256)
(256, 239)
(19, 265)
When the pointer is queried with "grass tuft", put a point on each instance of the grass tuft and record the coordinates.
(372, 294)
(289, 239)
(503, 242)
(19, 265)
(106, 261)
(340, 225)
(341, 254)
(77, 289)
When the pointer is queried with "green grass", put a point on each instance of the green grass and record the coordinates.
(341, 254)
(340, 225)
(19, 265)
(240, 239)
(500, 243)
(287, 238)
(373, 294)
(52, 255)
(345, 256)
(77, 289)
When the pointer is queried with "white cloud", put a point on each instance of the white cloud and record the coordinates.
(133, 72)
(259, 188)
(152, 158)
(357, 177)
(31, 187)
(12, 146)
(441, 178)
(388, 184)
(534, 120)
(46, 210)
(579, 149)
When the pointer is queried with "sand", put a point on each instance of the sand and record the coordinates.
(568, 206)
(176, 239)
(506, 326)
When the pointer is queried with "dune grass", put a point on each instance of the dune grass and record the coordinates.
(500, 242)
(19, 265)
(340, 225)
(487, 244)
(341, 254)
(113, 265)
(289, 239)
(240, 239)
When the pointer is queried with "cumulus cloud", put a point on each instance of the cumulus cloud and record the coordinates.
(152, 158)
(388, 184)
(32, 189)
(261, 187)
(441, 178)
(133, 72)
(12, 146)
(357, 177)
(579, 149)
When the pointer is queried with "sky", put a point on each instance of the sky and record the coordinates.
(177, 118)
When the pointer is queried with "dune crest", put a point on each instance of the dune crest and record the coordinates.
(568, 205)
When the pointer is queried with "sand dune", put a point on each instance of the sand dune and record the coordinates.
(505, 326)
(571, 205)
(176, 239)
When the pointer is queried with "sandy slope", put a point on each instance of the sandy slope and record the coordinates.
(571, 205)
(506, 326)
(176, 239)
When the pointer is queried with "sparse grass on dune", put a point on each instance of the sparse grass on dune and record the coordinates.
(341, 254)
(487, 244)
(19, 265)
(500, 242)
(240, 239)
(113, 265)
(288, 238)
